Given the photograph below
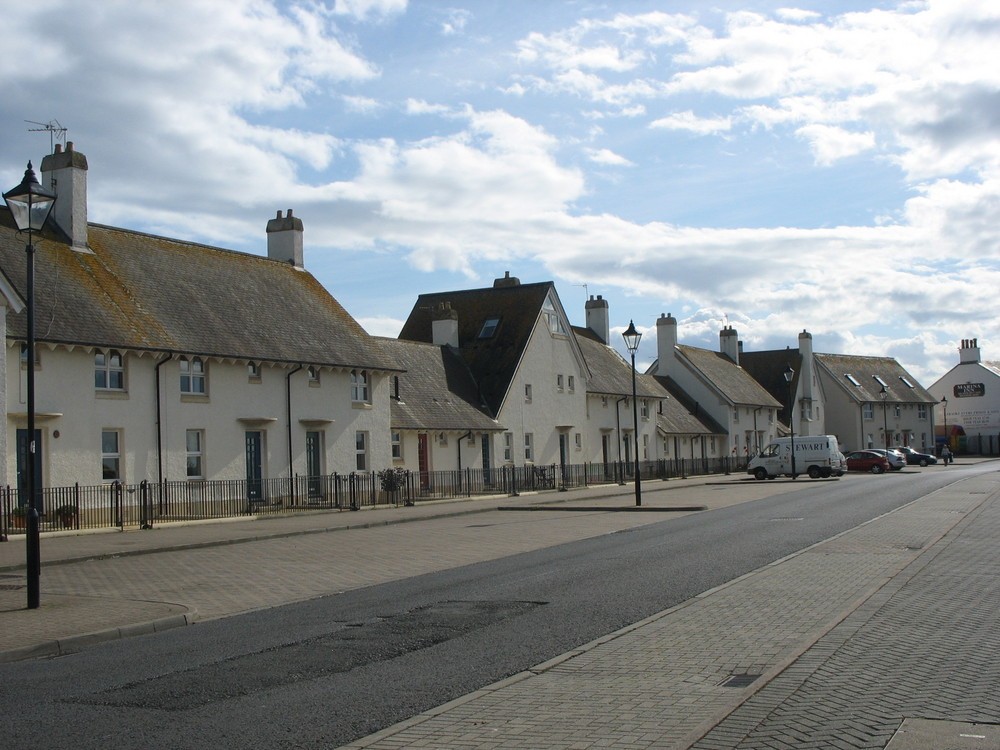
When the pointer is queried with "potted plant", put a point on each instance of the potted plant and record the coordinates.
(67, 515)
(19, 516)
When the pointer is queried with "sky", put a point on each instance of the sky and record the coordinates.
(830, 166)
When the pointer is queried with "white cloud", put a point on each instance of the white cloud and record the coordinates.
(365, 8)
(830, 143)
(690, 121)
(420, 107)
(608, 157)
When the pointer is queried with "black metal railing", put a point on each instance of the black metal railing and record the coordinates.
(118, 505)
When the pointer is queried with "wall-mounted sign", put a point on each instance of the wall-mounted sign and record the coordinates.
(965, 390)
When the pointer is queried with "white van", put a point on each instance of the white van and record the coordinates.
(816, 456)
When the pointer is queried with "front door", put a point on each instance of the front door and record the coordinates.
(255, 464)
(423, 461)
(314, 465)
(22, 469)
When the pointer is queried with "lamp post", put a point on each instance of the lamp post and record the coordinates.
(789, 377)
(632, 338)
(29, 204)
(944, 402)
(884, 394)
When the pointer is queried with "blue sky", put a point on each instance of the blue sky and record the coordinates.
(774, 166)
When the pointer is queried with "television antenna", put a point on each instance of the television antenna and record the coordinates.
(55, 130)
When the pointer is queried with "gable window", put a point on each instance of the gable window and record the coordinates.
(553, 319)
(195, 440)
(109, 371)
(253, 372)
(489, 327)
(111, 456)
(193, 376)
(359, 386)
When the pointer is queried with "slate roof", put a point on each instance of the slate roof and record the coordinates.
(681, 415)
(436, 392)
(768, 369)
(142, 292)
(610, 373)
(735, 383)
(494, 360)
(865, 369)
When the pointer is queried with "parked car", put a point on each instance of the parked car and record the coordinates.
(896, 459)
(871, 461)
(915, 457)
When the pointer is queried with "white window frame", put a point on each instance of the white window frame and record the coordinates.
(527, 393)
(361, 450)
(105, 370)
(253, 372)
(360, 387)
(396, 441)
(194, 376)
(111, 452)
(868, 411)
(194, 455)
(508, 447)
(529, 448)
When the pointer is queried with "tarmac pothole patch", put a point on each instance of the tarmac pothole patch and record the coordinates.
(353, 645)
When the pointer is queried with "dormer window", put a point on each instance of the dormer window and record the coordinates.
(489, 327)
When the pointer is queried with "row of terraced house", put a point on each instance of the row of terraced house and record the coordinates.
(165, 360)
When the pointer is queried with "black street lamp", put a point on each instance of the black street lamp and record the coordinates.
(632, 338)
(884, 394)
(29, 204)
(947, 441)
(789, 377)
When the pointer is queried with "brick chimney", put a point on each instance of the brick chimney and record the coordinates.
(507, 280)
(65, 173)
(284, 239)
(729, 344)
(597, 317)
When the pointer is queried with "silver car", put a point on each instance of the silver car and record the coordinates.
(896, 459)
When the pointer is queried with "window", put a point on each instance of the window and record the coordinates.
(571, 383)
(644, 409)
(527, 393)
(109, 371)
(489, 327)
(396, 438)
(854, 380)
(559, 383)
(604, 402)
(879, 380)
(906, 382)
(578, 441)
(111, 456)
(253, 372)
(922, 412)
(195, 457)
(868, 411)
(361, 450)
(193, 377)
(24, 357)
(508, 446)
(529, 452)
(736, 415)
(553, 320)
(359, 386)
(645, 447)
(313, 374)
(898, 410)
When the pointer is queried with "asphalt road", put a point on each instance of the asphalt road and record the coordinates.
(324, 672)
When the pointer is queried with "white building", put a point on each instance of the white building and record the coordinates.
(165, 360)
(968, 396)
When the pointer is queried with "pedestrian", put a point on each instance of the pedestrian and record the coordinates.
(946, 455)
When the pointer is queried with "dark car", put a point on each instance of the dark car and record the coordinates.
(871, 461)
(915, 457)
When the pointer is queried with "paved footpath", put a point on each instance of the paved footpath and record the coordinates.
(887, 632)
